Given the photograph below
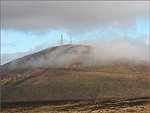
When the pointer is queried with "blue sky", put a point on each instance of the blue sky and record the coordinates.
(13, 41)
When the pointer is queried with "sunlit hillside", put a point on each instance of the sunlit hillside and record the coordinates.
(73, 81)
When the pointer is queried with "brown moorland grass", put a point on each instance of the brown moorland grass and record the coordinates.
(76, 82)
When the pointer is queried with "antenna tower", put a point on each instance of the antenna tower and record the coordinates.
(61, 39)
(70, 40)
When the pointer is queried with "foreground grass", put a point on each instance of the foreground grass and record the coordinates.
(84, 105)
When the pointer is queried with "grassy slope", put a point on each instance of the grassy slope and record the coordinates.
(76, 82)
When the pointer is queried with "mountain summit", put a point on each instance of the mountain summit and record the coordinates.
(65, 55)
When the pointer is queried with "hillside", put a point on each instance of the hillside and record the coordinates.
(65, 76)
(54, 56)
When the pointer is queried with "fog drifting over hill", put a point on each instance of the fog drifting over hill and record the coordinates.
(127, 48)
(123, 50)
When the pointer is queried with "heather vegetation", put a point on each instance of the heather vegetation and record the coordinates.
(76, 82)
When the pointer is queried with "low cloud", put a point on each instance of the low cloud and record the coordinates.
(55, 56)
(131, 51)
(124, 48)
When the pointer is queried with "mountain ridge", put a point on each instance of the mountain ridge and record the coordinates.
(20, 62)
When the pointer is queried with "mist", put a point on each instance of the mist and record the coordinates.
(121, 48)
(99, 52)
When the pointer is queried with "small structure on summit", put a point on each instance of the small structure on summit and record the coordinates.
(61, 39)
(70, 40)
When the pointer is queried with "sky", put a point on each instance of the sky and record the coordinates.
(30, 26)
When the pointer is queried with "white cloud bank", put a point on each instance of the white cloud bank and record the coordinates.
(116, 49)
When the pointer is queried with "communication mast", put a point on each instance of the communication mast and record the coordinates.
(70, 40)
(61, 39)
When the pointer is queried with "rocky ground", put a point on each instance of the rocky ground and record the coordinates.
(76, 106)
